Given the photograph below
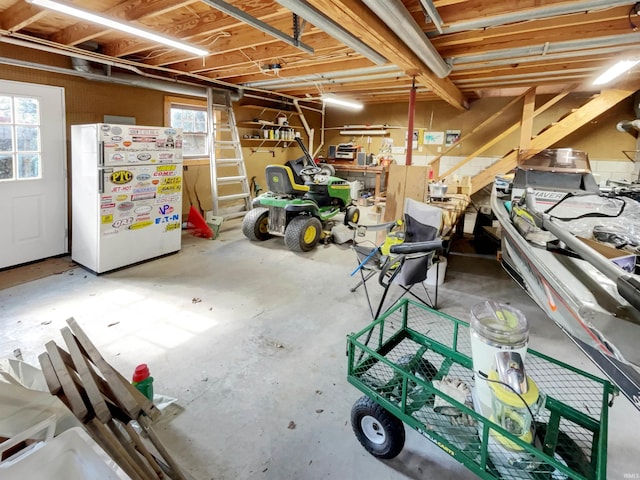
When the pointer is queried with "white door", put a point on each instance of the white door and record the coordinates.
(33, 185)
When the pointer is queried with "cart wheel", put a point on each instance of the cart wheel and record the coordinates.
(567, 452)
(379, 432)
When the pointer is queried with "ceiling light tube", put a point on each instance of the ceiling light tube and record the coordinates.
(342, 103)
(615, 71)
(123, 27)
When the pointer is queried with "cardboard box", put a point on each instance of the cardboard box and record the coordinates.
(625, 260)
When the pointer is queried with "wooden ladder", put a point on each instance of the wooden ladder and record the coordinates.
(229, 184)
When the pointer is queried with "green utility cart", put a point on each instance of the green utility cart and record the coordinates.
(400, 359)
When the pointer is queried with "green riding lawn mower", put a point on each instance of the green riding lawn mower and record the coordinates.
(299, 212)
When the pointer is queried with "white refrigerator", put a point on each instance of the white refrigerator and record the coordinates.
(126, 194)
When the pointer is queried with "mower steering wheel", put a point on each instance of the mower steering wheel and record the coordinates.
(310, 171)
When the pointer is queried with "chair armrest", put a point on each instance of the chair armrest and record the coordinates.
(419, 247)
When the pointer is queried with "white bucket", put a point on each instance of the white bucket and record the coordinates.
(356, 189)
(435, 275)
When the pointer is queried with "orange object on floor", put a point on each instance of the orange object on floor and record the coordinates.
(196, 223)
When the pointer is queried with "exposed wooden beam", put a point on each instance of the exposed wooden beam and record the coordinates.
(20, 15)
(355, 17)
(129, 11)
(526, 124)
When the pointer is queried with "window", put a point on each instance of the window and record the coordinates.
(20, 155)
(193, 121)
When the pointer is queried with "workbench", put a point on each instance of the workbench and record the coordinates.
(378, 170)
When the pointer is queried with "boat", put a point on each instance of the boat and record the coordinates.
(589, 288)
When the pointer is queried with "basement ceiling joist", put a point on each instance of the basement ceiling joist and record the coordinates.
(490, 45)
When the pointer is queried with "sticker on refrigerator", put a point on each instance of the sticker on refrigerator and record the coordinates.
(107, 219)
(139, 225)
(121, 188)
(167, 218)
(167, 199)
(165, 209)
(168, 189)
(144, 157)
(172, 226)
(125, 206)
(143, 196)
(165, 171)
(122, 222)
(143, 210)
(120, 177)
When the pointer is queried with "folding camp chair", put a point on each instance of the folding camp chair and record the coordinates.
(404, 257)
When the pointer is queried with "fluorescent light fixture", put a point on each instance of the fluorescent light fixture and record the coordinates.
(615, 71)
(333, 100)
(364, 132)
(123, 27)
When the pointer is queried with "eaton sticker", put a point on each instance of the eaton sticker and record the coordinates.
(121, 177)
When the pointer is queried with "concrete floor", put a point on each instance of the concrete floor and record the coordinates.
(250, 338)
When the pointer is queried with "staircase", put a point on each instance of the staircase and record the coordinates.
(552, 134)
(229, 184)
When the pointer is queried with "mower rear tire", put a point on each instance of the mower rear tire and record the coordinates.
(255, 224)
(380, 433)
(302, 233)
(352, 215)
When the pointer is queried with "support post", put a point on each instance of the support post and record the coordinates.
(412, 112)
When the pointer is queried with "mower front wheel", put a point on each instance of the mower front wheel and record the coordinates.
(302, 233)
(255, 224)
(352, 215)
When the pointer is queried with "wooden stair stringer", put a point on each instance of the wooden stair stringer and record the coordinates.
(595, 107)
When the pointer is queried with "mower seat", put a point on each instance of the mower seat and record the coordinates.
(280, 180)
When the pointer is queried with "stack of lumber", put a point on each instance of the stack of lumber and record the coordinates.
(111, 409)
(452, 210)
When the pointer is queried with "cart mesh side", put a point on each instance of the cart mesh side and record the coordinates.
(400, 358)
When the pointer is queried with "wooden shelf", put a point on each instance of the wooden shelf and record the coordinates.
(266, 140)
(269, 109)
(271, 124)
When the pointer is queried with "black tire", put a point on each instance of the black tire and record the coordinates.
(380, 433)
(567, 450)
(254, 224)
(352, 215)
(426, 372)
(302, 233)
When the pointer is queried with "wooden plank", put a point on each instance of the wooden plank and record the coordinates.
(90, 386)
(145, 423)
(142, 448)
(415, 185)
(526, 128)
(123, 396)
(49, 374)
(111, 445)
(138, 462)
(395, 192)
(76, 402)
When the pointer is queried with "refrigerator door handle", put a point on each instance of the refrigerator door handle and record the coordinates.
(101, 153)
(103, 172)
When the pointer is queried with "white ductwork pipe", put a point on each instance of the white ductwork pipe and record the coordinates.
(395, 15)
